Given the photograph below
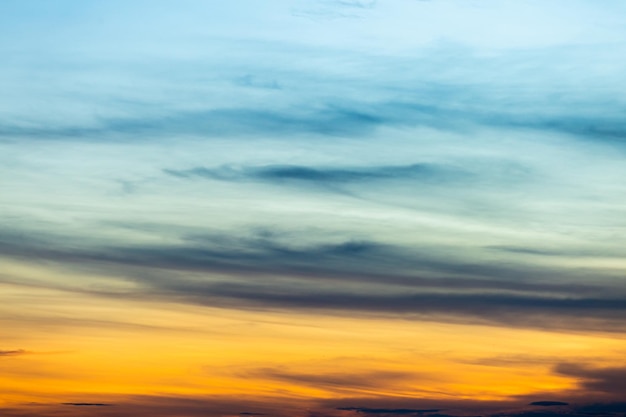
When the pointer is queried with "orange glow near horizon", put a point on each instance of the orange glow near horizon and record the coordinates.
(77, 346)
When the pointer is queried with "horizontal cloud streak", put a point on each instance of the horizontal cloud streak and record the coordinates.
(332, 120)
(605, 314)
(362, 381)
(17, 352)
(421, 172)
(472, 294)
(359, 261)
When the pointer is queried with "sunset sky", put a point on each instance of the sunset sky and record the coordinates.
(312, 208)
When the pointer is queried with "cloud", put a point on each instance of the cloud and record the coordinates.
(352, 277)
(610, 381)
(441, 406)
(548, 403)
(554, 252)
(212, 123)
(599, 409)
(333, 9)
(360, 261)
(327, 104)
(381, 405)
(608, 129)
(335, 382)
(250, 80)
(360, 4)
(161, 406)
(515, 310)
(400, 411)
(338, 118)
(351, 260)
(17, 352)
(329, 176)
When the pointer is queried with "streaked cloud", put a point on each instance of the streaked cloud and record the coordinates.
(17, 352)
(424, 172)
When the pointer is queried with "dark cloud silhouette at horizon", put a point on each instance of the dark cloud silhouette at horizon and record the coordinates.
(166, 406)
(401, 411)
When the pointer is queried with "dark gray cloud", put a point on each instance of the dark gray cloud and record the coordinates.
(348, 261)
(548, 403)
(88, 404)
(608, 381)
(344, 278)
(535, 311)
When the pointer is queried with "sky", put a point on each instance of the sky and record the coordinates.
(312, 208)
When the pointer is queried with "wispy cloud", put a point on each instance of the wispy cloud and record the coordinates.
(283, 173)
(339, 120)
(17, 352)
(369, 381)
